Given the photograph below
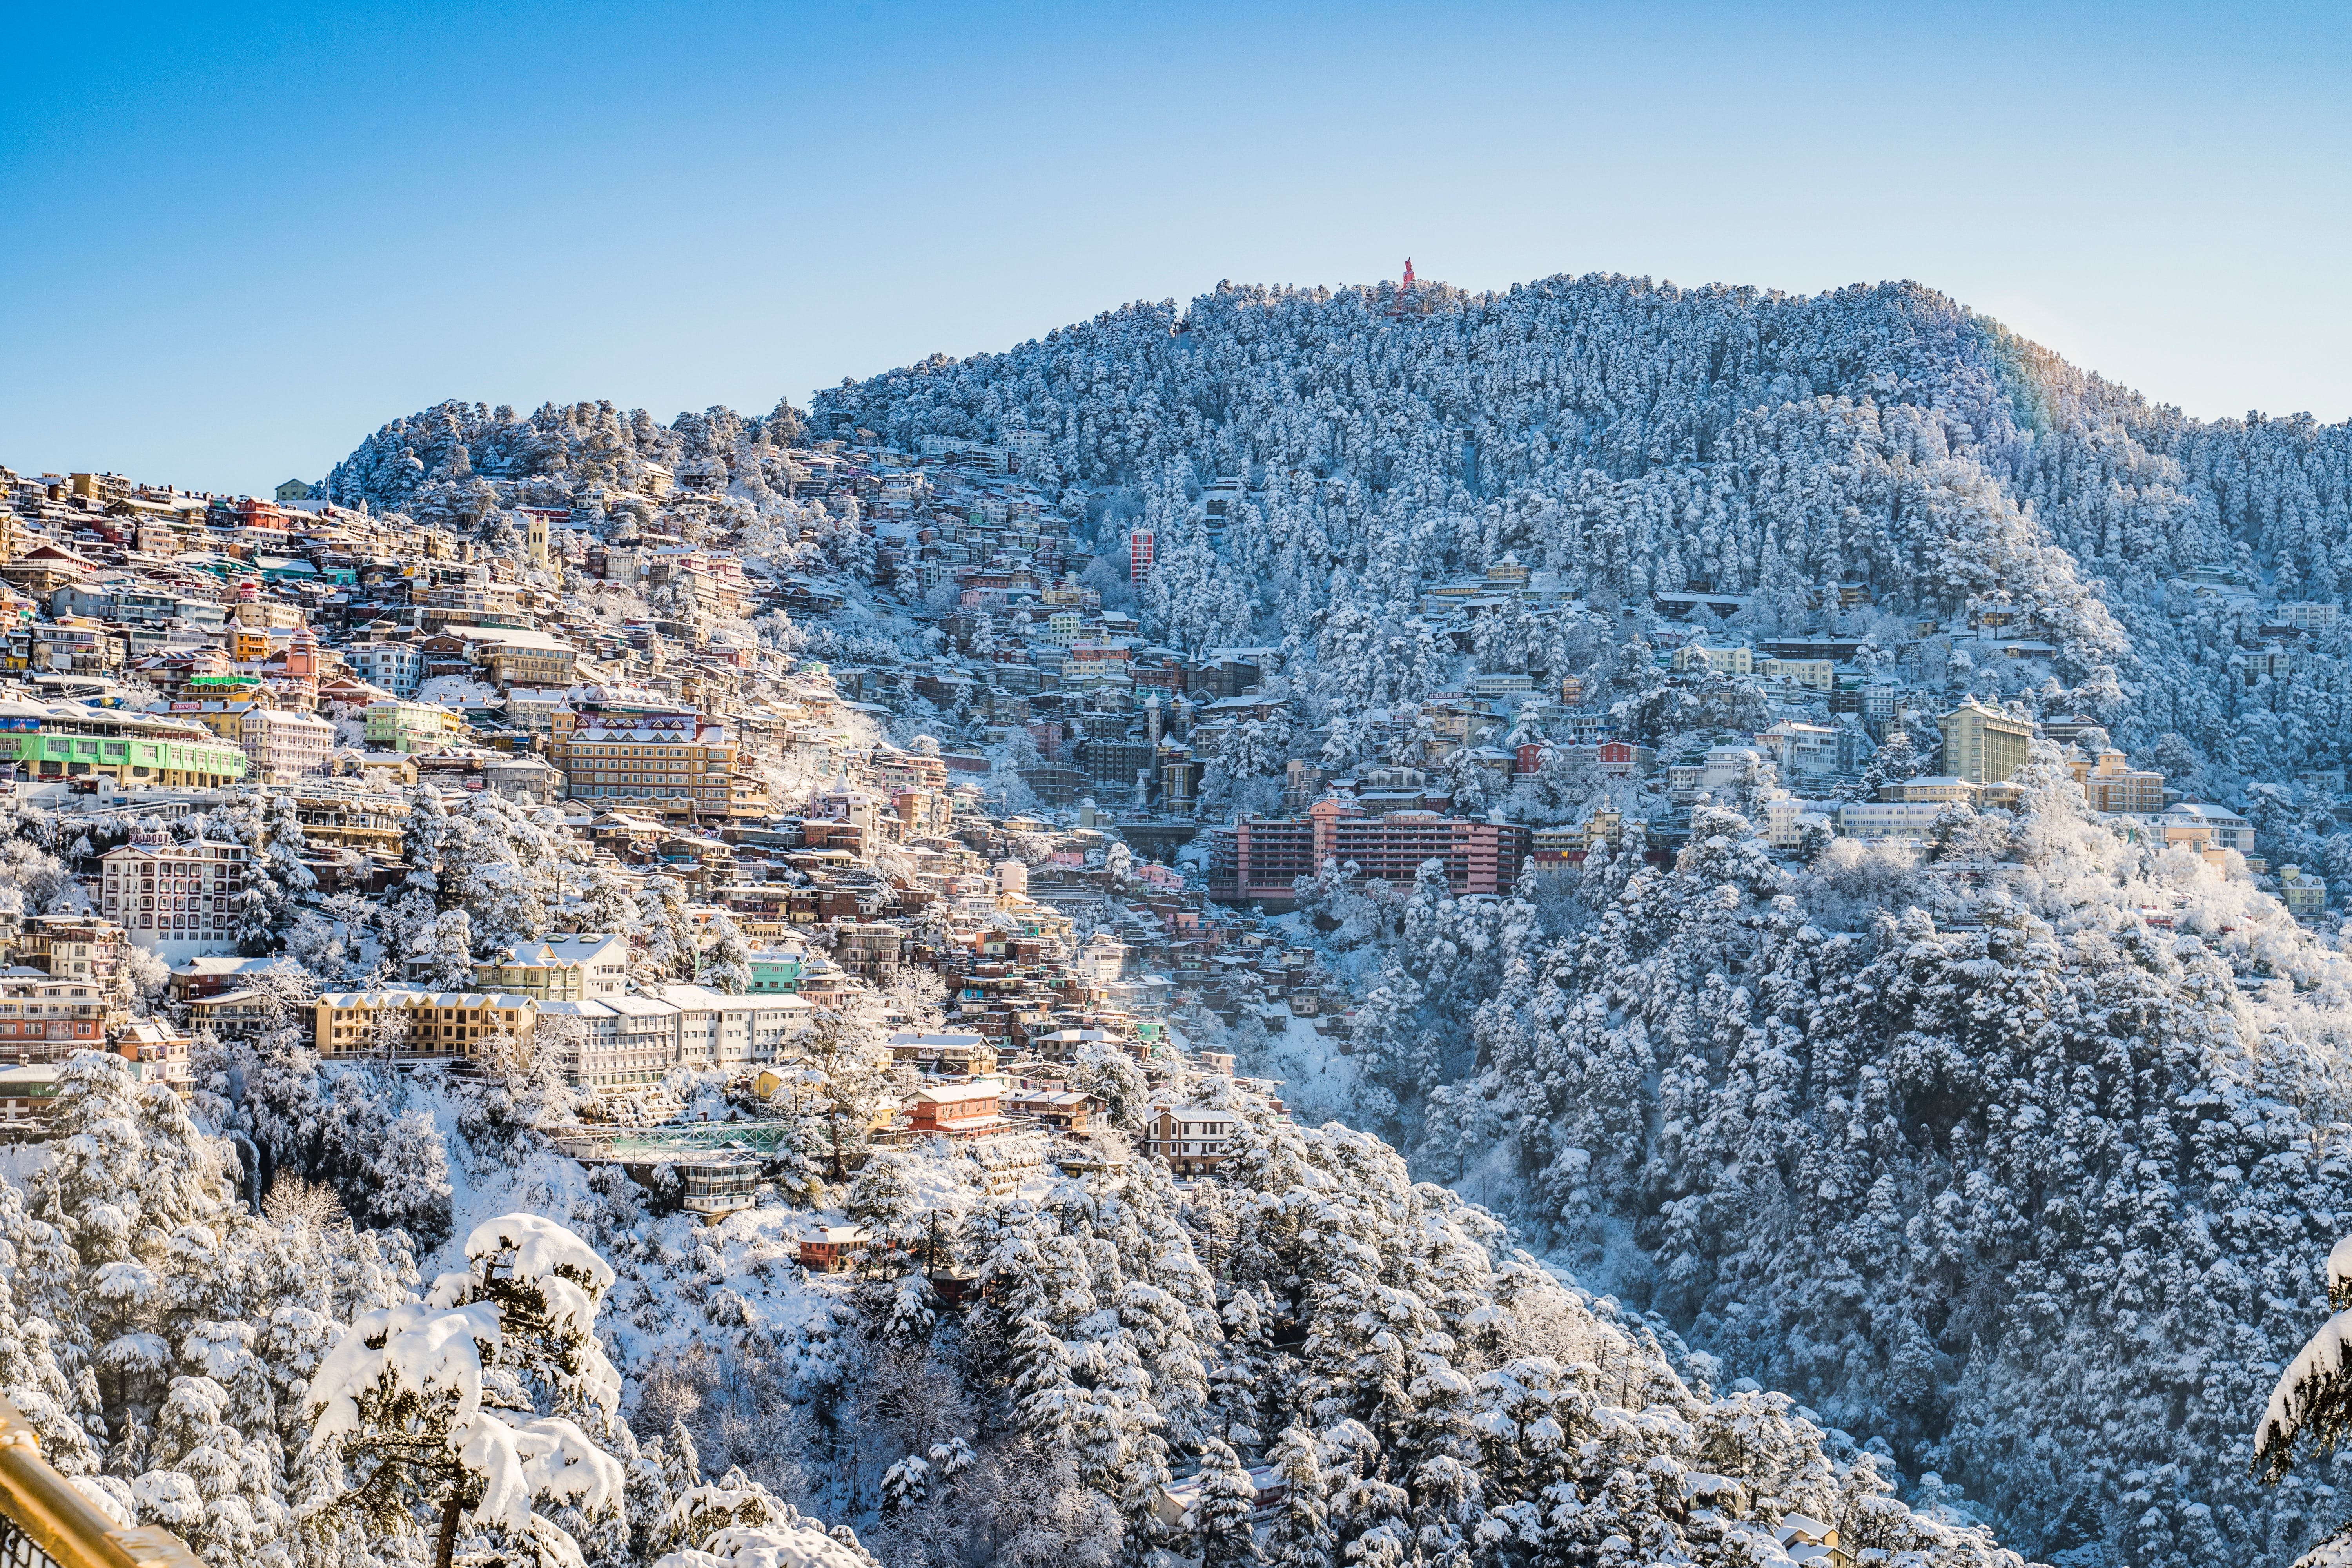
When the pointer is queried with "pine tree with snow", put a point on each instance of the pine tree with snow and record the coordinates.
(727, 963)
(1301, 1537)
(472, 1406)
(1220, 1516)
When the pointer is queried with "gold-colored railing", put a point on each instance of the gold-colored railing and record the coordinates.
(45, 1524)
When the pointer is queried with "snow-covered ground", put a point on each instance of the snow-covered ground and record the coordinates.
(1319, 1083)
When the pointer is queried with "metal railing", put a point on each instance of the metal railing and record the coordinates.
(45, 1524)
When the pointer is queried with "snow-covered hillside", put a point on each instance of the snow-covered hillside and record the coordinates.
(2014, 1151)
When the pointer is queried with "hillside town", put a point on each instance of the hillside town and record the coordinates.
(248, 725)
(322, 680)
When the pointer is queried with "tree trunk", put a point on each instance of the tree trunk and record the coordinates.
(449, 1546)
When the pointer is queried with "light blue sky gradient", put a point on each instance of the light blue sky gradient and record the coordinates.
(240, 237)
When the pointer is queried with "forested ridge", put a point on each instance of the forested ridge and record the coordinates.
(2000, 1155)
(2016, 1154)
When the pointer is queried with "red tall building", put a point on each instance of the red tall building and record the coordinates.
(1139, 556)
(1259, 857)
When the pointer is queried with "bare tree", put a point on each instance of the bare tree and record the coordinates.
(297, 1203)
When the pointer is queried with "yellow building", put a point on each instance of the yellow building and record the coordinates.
(417, 1024)
(1982, 745)
(678, 764)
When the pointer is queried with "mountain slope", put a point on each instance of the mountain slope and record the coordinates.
(2015, 1153)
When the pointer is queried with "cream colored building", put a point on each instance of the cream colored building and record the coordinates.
(1982, 745)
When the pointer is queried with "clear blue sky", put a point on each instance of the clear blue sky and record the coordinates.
(240, 237)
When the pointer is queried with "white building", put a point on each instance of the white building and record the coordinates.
(1802, 750)
(1914, 819)
(715, 1030)
(1727, 767)
(397, 667)
(1786, 814)
(645, 1039)
(176, 900)
(535, 707)
(2228, 829)
(282, 746)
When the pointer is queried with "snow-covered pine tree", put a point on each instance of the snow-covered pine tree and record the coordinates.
(473, 1405)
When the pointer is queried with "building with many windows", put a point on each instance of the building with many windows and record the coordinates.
(411, 726)
(418, 1026)
(397, 667)
(592, 965)
(679, 764)
(176, 900)
(282, 746)
(60, 741)
(1256, 859)
(776, 969)
(2111, 785)
(46, 1018)
(1193, 1140)
(1477, 856)
(1715, 660)
(517, 657)
(1983, 746)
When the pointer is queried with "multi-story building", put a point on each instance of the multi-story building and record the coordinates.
(868, 950)
(538, 708)
(973, 1107)
(1715, 660)
(59, 740)
(1257, 860)
(2303, 893)
(2221, 827)
(398, 726)
(1553, 848)
(1802, 750)
(282, 746)
(176, 900)
(1477, 856)
(677, 764)
(591, 966)
(339, 814)
(587, 1033)
(46, 1018)
(516, 658)
(1193, 1140)
(760, 1028)
(2111, 785)
(775, 969)
(157, 1054)
(69, 947)
(1982, 745)
(418, 1026)
(1873, 819)
(639, 1038)
(240, 1015)
(397, 667)
(1818, 674)
(714, 1030)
